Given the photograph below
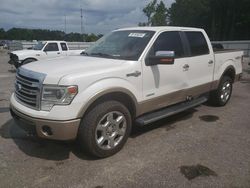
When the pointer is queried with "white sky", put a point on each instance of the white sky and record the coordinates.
(100, 16)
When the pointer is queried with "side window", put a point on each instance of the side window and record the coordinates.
(168, 41)
(64, 46)
(197, 42)
(51, 47)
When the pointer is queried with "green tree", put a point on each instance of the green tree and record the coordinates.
(159, 18)
(222, 20)
(149, 10)
(2, 33)
(156, 14)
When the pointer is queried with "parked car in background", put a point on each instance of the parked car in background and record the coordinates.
(140, 74)
(41, 51)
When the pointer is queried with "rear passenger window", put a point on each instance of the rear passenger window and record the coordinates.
(64, 47)
(197, 42)
(168, 41)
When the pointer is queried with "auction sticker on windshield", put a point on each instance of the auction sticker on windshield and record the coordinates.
(140, 35)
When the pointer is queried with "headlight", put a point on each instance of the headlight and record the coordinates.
(57, 95)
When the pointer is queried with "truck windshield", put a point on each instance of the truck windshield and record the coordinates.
(39, 45)
(126, 44)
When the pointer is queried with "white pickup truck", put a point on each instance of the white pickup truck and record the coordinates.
(130, 76)
(41, 51)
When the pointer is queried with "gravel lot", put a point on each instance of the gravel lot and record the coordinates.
(202, 147)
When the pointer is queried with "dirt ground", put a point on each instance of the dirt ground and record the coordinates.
(201, 147)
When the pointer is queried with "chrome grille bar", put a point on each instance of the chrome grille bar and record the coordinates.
(28, 87)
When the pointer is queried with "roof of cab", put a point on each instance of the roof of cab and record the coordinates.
(161, 28)
(53, 41)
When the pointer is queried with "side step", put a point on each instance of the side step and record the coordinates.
(160, 114)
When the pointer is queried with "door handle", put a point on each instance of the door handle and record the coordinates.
(58, 52)
(135, 74)
(186, 67)
(211, 62)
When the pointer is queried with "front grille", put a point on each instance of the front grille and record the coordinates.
(28, 88)
(14, 57)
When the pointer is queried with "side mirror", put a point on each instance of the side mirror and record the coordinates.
(161, 58)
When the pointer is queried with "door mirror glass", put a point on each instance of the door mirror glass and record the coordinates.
(161, 58)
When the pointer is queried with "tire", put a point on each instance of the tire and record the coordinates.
(223, 93)
(26, 61)
(100, 125)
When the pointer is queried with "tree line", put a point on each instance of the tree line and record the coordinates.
(222, 19)
(44, 34)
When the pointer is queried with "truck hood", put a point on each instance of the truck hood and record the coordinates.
(57, 68)
(25, 53)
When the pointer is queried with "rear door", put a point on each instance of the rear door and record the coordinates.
(165, 84)
(200, 65)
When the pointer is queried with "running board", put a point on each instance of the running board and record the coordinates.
(165, 112)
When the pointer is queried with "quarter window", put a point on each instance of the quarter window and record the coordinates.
(168, 41)
(197, 42)
(51, 47)
(64, 47)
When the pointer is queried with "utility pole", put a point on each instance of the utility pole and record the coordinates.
(65, 24)
(82, 23)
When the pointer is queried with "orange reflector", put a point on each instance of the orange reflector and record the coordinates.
(72, 89)
(166, 60)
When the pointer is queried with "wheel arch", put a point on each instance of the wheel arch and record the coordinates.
(29, 58)
(230, 72)
(121, 95)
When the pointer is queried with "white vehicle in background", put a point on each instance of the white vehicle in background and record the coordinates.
(41, 51)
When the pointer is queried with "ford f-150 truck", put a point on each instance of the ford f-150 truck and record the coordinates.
(41, 51)
(131, 76)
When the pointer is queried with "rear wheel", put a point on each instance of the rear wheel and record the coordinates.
(105, 129)
(221, 96)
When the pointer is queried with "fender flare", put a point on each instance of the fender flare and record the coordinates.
(102, 93)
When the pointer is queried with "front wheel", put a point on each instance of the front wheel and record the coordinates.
(105, 129)
(221, 96)
(28, 61)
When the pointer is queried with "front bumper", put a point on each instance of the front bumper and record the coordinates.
(50, 129)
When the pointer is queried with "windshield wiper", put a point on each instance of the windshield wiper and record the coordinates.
(102, 54)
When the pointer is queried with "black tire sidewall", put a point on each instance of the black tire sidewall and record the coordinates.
(86, 133)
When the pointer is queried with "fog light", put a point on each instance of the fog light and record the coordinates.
(47, 130)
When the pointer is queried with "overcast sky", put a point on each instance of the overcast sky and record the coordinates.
(100, 16)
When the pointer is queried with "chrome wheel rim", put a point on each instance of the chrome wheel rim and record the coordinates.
(110, 130)
(225, 92)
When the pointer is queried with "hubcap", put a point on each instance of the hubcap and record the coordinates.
(110, 130)
(225, 92)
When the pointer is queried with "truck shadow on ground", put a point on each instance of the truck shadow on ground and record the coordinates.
(58, 150)
(168, 123)
(40, 148)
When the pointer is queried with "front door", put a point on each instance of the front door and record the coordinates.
(165, 84)
(51, 50)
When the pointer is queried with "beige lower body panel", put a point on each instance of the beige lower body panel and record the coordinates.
(172, 98)
(61, 130)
